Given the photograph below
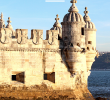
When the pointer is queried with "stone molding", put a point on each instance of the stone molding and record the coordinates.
(89, 29)
(74, 49)
(68, 22)
(30, 49)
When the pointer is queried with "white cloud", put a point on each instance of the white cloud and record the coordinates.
(54, 0)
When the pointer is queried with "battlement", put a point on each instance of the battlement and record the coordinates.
(19, 39)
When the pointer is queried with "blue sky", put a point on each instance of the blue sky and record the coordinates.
(41, 14)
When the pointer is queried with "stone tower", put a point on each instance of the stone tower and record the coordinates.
(90, 32)
(74, 37)
(90, 40)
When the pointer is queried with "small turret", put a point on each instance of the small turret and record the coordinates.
(90, 32)
(90, 40)
(57, 26)
(74, 38)
(2, 25)
(9, 25)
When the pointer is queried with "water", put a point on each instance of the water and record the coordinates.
(99, 83)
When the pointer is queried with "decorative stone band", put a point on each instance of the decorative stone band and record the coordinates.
(74, 50)
(90, 60)
(91, 52)
(30, 49)
(88, 29)
(64, 23)
(73, 60)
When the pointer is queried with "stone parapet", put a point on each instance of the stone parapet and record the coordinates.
(68, 22)
(29, 49)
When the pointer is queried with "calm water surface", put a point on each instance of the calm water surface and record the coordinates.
(99, 83)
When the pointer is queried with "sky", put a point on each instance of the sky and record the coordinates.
(41, 14)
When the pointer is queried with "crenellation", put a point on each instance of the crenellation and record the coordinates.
(37, 36)
(21, 35)
(52, 37)
(5, 35)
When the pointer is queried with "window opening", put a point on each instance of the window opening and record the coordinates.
(18, 76)
(71, 44)
(13, 77)
(87, 48)
(89, 42)
(50, 77)
(45, 76)
(82, 31)
(78, 44)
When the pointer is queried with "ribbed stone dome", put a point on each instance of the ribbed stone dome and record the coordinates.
(89, 24)
(73, 17)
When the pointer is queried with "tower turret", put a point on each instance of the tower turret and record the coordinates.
(90, 32)
(73, 27)
(90, 40)
(74, 37)
(10, 27)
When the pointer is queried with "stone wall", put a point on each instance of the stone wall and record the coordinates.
(29, 59)
(19, 61)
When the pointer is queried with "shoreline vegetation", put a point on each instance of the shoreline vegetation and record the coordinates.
(102, 62)
(100, 70)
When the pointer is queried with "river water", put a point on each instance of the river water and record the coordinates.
(99, 83)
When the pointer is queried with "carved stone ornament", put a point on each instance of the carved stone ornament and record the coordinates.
(52, 38)
(37, 37)
(5, 35)
(22, 36)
